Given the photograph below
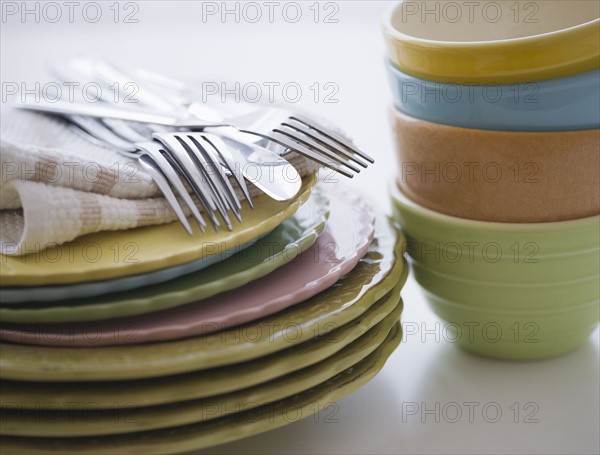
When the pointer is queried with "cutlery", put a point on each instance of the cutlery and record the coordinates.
(288, 129)
(171, 165)
(278, 125)
(267, 170)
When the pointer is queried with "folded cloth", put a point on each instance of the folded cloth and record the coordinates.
(56, 185)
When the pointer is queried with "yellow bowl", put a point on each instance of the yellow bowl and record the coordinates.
(504, 41)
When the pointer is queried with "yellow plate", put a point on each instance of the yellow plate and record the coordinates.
(200, 435)
(501, 43)
(115, 254)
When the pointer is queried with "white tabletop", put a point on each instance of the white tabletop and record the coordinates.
(557, 400)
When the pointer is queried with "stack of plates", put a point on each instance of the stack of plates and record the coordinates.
(150, 341)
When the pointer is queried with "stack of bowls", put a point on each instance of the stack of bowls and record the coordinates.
(152, 341)
(496, 116)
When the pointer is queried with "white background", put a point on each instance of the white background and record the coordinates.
(173, 38)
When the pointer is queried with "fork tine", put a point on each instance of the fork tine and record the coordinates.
(175, 164)
(282, 138)
(95, 131)
(227, 157)
(201, 144)
(205, 148)
(197, 180)
(333, 135)
(156, 153)
(162, 183)
(324, 143)
(200, 183)
(311, 141)
(221, 202)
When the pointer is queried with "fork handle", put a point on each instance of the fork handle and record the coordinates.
(105, 111)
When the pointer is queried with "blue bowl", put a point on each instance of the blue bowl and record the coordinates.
(563, 104)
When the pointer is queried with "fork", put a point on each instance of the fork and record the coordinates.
(118, 134)
(265, 169)
(174, 158)
(147, 153)
(284, 127)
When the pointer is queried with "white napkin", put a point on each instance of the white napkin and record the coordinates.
(56, 185)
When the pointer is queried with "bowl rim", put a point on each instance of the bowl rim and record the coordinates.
(399, 75)
(394, 33)
(481, 131)
(399, 198)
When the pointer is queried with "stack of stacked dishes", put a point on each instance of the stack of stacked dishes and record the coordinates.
(496, 116)
(152, 341)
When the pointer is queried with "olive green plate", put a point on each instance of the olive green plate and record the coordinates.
(226, 429)
(197, 384)
(294, 236)
(132, 251)
(374, 276)
(91, 422)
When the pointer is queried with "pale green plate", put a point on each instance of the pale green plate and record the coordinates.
(374, 276)
(91, 422)
(294, 236)
(197, 384)
(128, 252)
(226, 429)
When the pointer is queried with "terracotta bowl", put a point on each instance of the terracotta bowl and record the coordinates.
(503, 176)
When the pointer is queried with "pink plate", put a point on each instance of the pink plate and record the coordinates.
(346, 238)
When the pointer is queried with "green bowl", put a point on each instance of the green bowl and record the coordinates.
(509, 297)
(506, 290)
